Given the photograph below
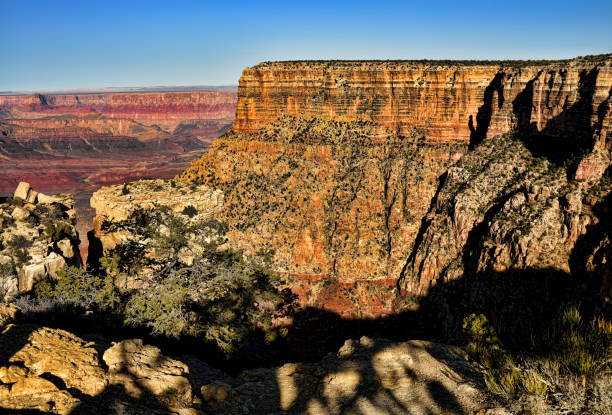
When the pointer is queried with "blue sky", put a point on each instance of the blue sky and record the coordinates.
(46, 45)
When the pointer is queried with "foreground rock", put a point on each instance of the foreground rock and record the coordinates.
(143, 368)
(366, 376)
(54, 371)
(37, 238)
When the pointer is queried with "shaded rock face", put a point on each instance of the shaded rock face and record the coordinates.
(444, 100)
(37, 239)
(365, 376)
(139, 367)
(338, 203)
(55, 371)
(500, 208)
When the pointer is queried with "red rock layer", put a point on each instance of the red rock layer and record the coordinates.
(443, 100)
(165, 109)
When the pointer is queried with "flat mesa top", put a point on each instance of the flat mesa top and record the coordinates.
(604, 59)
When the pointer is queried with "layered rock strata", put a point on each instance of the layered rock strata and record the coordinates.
(338, 203)
(343, 213)
(444, 100)
(37, 238)
(165, 109)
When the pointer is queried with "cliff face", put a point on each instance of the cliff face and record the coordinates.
(445, 101)
(165, 109)
(338, 203)
(340, 193)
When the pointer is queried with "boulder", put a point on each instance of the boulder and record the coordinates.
(216, 391)
(20, 213)
(47, 200)
(142, 368)
(66, 247)
(53, 263)
(30, 275)
(64, 355)
(22, 191)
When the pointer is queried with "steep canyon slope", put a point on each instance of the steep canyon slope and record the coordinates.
(334, 165)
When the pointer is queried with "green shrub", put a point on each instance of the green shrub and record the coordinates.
(567, 346)
(44, 289)
(124, 189)
(190, 211)
(219, 296)
(19, 242)
(57, 232)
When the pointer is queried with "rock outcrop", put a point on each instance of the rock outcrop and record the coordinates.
(365, 376)
(54, 371)
(115, 204)
(339, 203)
(334, 165)
(500, 208)
(37, 238)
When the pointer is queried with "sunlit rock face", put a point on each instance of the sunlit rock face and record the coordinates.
(38, 238)
(334, 165)
(444, 100)
(339, 203)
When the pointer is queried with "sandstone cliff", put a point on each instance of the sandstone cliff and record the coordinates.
(340, 191)
(339, 203)
(444, 100)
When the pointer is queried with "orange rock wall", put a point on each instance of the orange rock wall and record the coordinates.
(439, 99)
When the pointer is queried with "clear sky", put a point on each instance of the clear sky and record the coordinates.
(57, 44)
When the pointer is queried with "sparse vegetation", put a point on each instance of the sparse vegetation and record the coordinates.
(536, 360)
(190, 211)
(211, 293)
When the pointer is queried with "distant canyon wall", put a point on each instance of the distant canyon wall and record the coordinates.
(77, 142)
(165, 109)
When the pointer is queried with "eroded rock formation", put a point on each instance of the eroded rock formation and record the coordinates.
(339, 203)
(37, 238)
(164, 109)
(113, 203)
(334, 165)
(444, 100)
